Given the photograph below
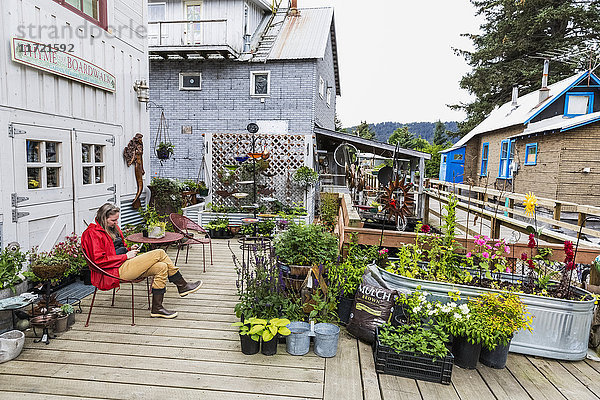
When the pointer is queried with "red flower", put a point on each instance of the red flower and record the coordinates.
(530, 263)
(570, 266)
(425, 228)
(531, 243)
(524, 256)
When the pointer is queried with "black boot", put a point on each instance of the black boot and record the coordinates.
(157, 308)
(183, 287)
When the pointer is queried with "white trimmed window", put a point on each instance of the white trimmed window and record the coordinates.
(44, 164)
(260, 83)
(190, 81)
(329, 96)
(321, 87)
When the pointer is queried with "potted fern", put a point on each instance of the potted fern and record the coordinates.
(165, 150)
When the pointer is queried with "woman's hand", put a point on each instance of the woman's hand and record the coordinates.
(132, 253)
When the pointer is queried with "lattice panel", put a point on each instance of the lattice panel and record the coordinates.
(287, 154)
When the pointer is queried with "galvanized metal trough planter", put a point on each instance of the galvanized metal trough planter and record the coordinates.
(560, 327)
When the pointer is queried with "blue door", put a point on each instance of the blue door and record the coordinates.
(455, 165)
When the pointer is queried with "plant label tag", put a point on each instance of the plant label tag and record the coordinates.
(312, 326)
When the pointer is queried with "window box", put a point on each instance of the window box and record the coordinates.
(531, 154)
(91, 10)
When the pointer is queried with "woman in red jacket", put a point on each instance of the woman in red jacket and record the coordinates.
(104, 244)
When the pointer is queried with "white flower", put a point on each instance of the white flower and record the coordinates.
(417, 309)
(425, 293)
(452, 304)
(431, 312)
(428, 305)
(464, 308)
(457, 316)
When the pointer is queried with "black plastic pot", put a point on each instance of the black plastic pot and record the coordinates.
(465, 354)
(495, 358)
(398, 315)
(344, 309)
(85, 275)
(269, 348)
(249, 346)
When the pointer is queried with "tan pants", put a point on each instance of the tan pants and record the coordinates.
(153, 263)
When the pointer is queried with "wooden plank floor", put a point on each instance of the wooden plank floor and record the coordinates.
(197, 356)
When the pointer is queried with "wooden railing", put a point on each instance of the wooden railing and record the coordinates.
(499, 209)
(188, 33)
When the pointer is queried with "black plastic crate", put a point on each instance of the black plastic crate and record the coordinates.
(413, 365)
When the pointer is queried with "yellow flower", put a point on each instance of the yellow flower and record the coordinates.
(530, 203)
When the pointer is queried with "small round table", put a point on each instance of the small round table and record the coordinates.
(167, 240)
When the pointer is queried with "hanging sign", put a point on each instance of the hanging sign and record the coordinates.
(48, 58)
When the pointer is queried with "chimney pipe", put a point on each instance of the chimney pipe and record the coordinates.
(544, 91)
(294, 6)
(515, 95)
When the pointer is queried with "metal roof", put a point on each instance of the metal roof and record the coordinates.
(559, 123)
(371, 146)
(305, 35)
(527, 107)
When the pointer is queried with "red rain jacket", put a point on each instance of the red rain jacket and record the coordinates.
(100, 248)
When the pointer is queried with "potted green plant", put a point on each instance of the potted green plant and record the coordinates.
(46, 266)
(70, 312)
(301, 246)
(11, 266)
(218, 227)
(202, 189)
(165, 150)
(250, 342)
(157, 229)
(61, 323)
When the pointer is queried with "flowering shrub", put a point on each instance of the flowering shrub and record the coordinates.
(70, 250)
(488, 255)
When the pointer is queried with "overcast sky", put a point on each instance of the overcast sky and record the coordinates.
(396, 59)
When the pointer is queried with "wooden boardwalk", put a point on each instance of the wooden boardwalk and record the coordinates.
(197, 356)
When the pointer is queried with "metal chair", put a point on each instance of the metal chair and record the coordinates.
(186, 226)
(96, 268)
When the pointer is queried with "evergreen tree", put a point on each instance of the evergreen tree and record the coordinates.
(338, 124)
(439, 133)
(364, 131)
(514, 32)
(403, 137)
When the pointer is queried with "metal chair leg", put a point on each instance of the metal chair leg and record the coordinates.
(187, 251)
(132, 307)
(113, 300)
(91, 306)
(210, 246)
(177, 256)
(203, 259)
(148, 291)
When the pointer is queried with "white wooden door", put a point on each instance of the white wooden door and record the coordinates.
(193, 12)
(42, 203)
(94, 175)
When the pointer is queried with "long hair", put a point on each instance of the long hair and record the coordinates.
(102, 215)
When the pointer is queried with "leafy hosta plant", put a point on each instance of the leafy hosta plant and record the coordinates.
(259, 328)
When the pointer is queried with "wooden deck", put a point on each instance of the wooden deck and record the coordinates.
(197, 356)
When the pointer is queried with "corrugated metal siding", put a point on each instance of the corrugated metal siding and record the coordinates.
(303, 36)
(129, 215)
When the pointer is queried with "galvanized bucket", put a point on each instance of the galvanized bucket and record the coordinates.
(560, 327)
(298, 342)
(326, 339)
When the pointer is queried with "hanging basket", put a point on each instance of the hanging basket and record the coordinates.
(163, 154)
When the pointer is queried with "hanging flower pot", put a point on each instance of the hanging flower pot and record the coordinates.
(164, 150)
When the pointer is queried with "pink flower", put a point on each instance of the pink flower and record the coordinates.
(506, 249)
(523, 256)
(497, 244)
(493, 256)
(487, 246)
(469, 255)
(485, 254)
(383, 251)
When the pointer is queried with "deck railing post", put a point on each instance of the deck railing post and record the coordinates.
(426, 208)
(556, 214)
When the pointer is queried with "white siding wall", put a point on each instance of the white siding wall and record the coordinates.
(39, 98)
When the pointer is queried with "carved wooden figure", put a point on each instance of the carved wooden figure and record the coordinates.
(134, 153)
